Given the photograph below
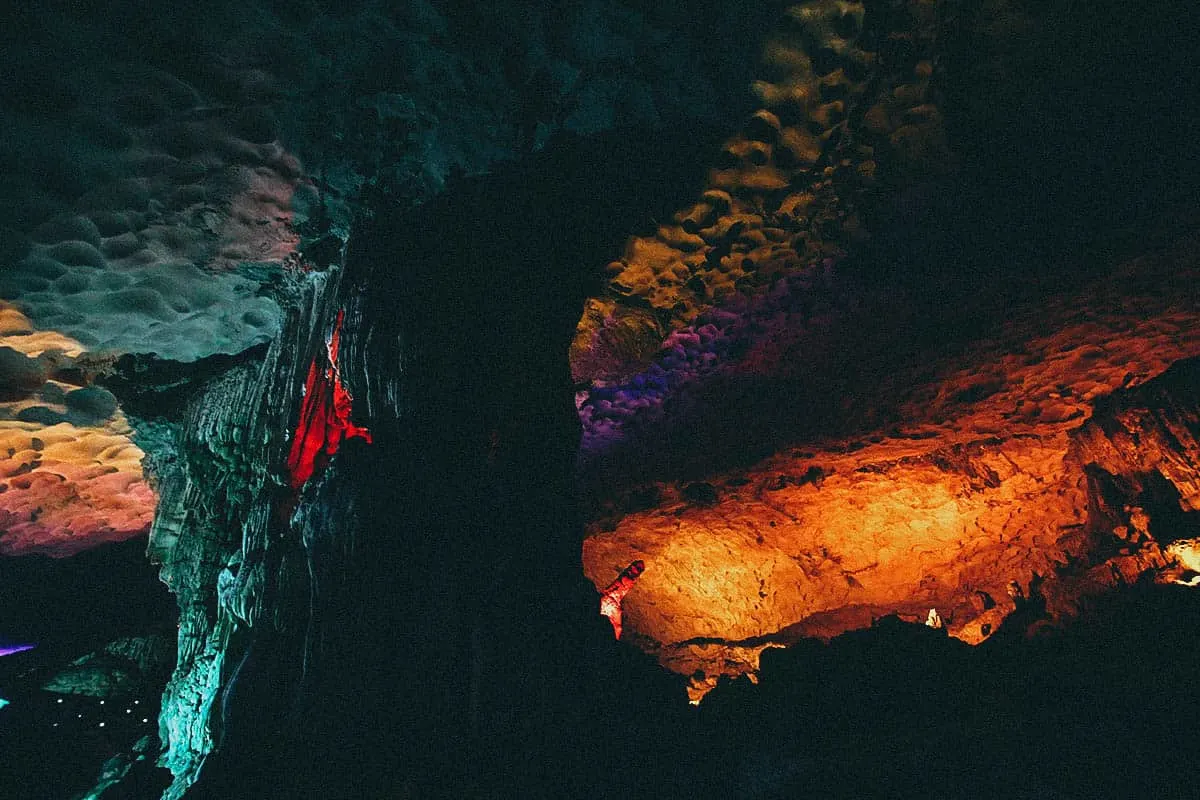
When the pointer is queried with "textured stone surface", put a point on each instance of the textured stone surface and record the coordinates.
(156, 210)
(130, 666)
(145, 257)
(70, 474)
(1146, 437)
(220, 501)
(958, 508)
(844, 89)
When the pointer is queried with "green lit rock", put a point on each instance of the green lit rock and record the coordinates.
(118, 767)
(217, 504)
(92, 680)
(123, 666)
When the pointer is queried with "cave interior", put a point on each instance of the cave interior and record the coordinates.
(599, 399)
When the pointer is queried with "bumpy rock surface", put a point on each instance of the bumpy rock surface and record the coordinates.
(70, 474)
(845, 87)
(976, 495)
(194, 198)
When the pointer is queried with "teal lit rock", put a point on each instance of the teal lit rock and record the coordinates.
(124, 665)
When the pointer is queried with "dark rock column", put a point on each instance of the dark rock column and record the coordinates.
(424, 623)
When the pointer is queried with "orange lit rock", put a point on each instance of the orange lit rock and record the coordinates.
(986, 490)
(773, 181)
(70, 479)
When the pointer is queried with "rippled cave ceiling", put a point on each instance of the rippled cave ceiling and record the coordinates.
(358, 360)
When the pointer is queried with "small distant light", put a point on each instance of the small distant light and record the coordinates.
(135, 702)
(145, 720)
(60, 699)
(79, 716)
(101, 724)
(55, 725)
(101, 702)
(129, 711)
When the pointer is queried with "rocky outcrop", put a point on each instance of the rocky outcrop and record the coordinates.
(439, 531)
(1145, 437)
(130, 666)
(224, 502)
(71, 475)
(1141, 455)
(988, 491)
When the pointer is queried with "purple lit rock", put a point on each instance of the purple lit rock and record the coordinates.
(8, 648)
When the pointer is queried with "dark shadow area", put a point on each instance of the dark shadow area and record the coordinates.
(71, 604)
(1076, 132)
(1099, 710)
(53, 744)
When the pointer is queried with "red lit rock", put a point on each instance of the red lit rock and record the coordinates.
(324, 421)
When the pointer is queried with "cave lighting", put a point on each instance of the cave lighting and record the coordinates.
(1187, 553)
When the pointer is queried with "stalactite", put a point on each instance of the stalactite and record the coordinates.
(613, 595)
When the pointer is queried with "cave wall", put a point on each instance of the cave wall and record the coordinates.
(981, 486)
(881, 352)
(222, 506)
(434, 569)
(168, 167)
(426, 547)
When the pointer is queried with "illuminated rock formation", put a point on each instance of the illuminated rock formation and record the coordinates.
(613, 595)
(70, 474)
(900, 481)
(303, 287)
(987, 491)
(784, 193)
(324, 420)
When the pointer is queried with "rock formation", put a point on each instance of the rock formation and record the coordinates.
(411, 336)
(996, 477)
